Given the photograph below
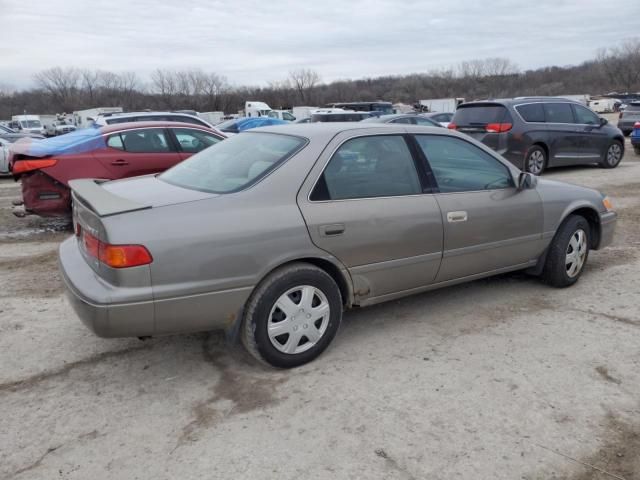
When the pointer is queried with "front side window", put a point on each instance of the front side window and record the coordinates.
(148, 140)
(287, 116)
(234, 164)
(558, 113)
(193, 141)
(459, 166)
(367, 167)
(531, 112)
(427, 122)
(585, 116)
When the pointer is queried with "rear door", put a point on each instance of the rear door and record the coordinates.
(368, 208)
(563, 134)
(136, 152)
(192, 140)
(488, 224)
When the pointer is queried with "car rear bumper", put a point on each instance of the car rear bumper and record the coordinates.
(626, 125)
(607, 228)
(90, 296)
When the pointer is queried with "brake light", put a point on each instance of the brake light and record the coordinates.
(452, 126)
(23, 166)
(636, 125)
(115, 256)
(498, 127)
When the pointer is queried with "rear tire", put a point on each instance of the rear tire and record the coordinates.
(626, 133)
(535, 160)
(292, 316)
(568, 253)
(636, 149)
(613, 155)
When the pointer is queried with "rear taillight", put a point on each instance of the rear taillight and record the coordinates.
(498, 127)
(636, 125)
(23, 166)
(115, 256)
(452, 126)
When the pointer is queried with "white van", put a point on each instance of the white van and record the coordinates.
(27, 124)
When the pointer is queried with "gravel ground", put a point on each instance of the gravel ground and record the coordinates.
(503, 378)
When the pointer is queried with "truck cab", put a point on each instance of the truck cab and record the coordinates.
(27, 124)
(256, 109)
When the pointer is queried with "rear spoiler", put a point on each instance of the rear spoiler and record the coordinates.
(90, 192)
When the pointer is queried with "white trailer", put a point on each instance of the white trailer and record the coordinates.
(603, 105)
(212, 117)
(303, 112)
(442, 105)
(583, 99)
(85, 118)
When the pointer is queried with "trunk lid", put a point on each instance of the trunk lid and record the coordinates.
(473, 119)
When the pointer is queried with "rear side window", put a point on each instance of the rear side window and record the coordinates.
(368, 167)
(459, 166)
(193, 141)
(149, 140)
(558, 113)
(481, 115)
(234, 164)
(532, 112)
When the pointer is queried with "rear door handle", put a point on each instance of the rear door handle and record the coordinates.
(120, 162)
(332, 230)
(453, 217)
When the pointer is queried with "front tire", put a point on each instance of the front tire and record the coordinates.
(535, 161)
(613, 155)
(292, 316)
(568, 253)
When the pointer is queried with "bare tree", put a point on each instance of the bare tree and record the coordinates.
(304, 80)
(60, 83)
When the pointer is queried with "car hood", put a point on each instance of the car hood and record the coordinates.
(153, 192)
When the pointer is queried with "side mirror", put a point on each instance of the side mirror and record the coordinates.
(603, 121)
(526, 180)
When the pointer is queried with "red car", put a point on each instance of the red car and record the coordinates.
(111, 152)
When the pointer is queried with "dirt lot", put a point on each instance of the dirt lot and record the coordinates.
(502, 378)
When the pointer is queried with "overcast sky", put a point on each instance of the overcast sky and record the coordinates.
(252, 42)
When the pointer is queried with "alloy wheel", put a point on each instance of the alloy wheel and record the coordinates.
(614, 154)
(299, 319)
(576, 253)
(535, 162)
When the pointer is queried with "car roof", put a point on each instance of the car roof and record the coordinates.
(116, 127)
(323, 129)
(518, 101)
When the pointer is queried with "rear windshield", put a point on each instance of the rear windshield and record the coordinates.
(235, 163)
(481, 114)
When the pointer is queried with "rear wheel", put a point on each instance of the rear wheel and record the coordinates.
(567, 253)
(292, 316)
(626, 133)
(535, 161)
(636, 148)
(613, 156)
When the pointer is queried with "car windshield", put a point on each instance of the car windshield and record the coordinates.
(30, 123)
(233, 164)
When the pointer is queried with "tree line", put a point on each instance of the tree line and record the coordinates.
(60, 89)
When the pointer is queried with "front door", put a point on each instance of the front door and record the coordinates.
(594, 141)
(488, 223)
(368, 209)
(564, 139)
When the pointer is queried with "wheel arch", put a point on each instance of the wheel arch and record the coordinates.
(592, 216)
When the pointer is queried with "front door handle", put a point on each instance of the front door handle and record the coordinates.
(332, 230)
(460, 216)
(120, 162)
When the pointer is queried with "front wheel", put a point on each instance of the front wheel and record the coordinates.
(535, 161)
(292, 316)
(567, 253)
(613, 156)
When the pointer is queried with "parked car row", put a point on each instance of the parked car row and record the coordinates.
(111, 152)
